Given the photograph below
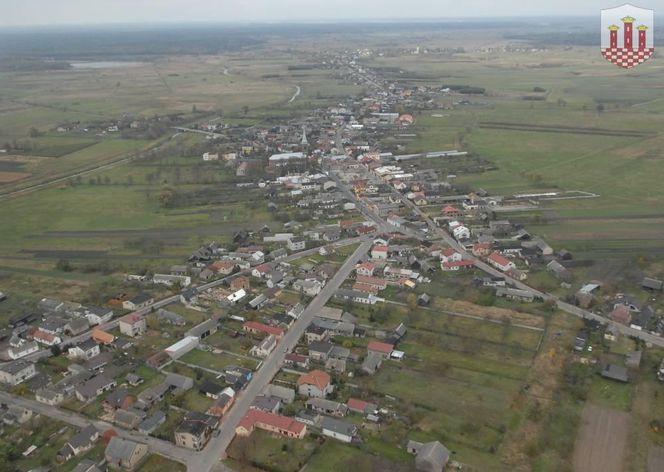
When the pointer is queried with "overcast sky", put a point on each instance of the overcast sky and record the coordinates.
(62, 12)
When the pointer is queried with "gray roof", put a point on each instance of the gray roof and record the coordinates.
(201, 328)
(119, 449)
(86, 465)
(321, 346)
(615, 372)
(266, 403)
(84, 437)
(15, 367)
(152, 422)
(432, 456)
(372, 362)
(338, 426)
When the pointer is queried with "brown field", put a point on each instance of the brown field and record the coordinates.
(9, 177)
(600, 445)
(655, 459)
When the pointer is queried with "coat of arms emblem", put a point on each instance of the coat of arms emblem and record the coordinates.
(628, 35)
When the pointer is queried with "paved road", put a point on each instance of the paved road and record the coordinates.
(216, 448)
(566, 307)
(158, 446)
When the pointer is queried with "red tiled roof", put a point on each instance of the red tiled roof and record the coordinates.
(317, 378)
(255, 325)
(252, 417)
(367, 265)
(379, 248)
(462, 263)
(292, 357)
(448, 252)
(102, 336)
(355, 404)
(366, 288)
(499, 259)
(384, 348)
(364, 279)
(43, 335)
(131, 318)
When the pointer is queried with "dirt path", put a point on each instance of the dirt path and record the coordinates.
(600, 445)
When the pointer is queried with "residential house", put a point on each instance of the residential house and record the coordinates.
(102, 337)
(22, 349)
(265, 347)
(361, 407)
(284, 394)
(151, 423)
(223, 403)
(515, 294)
(621, 314)
(500, 262)
(356, 296)
(337, 429)
(430, 457)
(366, 269)
(315, 333)
(256, 327)
(84, 350)
(296, 360)
(379, 252)
(116, 400)
(211, 389)
(94, 387)
(16, 372)
(77, 326)
(319, 351)
(240, 282)
(297, 244)
(44, 337)
(195, 430)
(315, 384)
(327, 407)
(128, 419)
(382, 349)
(482, 249)
(97, 315)
(560, 272)
(124, 454)
(615, 372)
(309, 287)
(133, 325)
(81, 442)
(142, 300)
(282, 425)
(372, 363)
(266, 403)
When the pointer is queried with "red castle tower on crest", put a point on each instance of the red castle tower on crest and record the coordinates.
(628, 56)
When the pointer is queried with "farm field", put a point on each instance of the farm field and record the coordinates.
(601, 441)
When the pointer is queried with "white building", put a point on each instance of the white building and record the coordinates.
(170, 280)
(182, 347)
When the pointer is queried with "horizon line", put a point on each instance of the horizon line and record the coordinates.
(311, 21)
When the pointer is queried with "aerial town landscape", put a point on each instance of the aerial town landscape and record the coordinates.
(416, 246)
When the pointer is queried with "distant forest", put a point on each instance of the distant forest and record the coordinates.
(61, 44)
